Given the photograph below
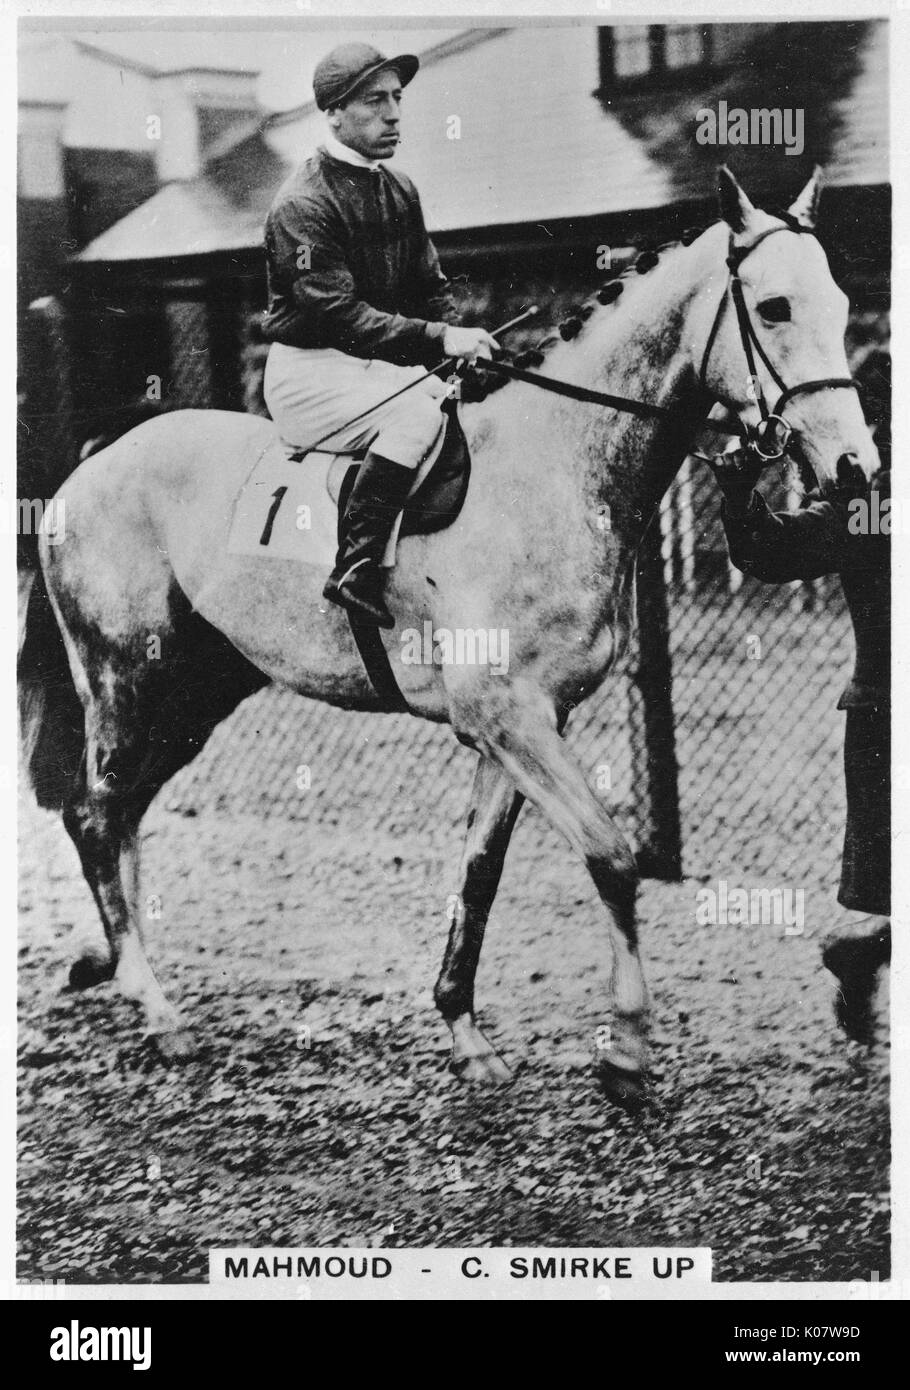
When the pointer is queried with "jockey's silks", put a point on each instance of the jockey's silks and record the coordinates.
(350, 265)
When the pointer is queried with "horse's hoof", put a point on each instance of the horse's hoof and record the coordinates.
(90, 969)
(486, 1069)
(629, 1090)
(177, 1046)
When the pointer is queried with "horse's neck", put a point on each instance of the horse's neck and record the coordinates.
(642, 348)
(647, 353)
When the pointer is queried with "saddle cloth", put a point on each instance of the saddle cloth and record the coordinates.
(288, 507)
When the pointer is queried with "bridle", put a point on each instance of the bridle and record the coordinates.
(774, 428)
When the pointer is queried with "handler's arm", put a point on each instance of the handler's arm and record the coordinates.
(326, 297)
(777, 547)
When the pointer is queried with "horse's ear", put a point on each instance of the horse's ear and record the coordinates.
(735, 207)
(805, 209)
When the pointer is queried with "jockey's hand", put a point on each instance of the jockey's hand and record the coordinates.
(736, 474)
(468, 343)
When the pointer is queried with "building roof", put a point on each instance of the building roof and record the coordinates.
(53, 68)
(564, 151)
(47, 72)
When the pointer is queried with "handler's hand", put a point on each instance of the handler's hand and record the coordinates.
(851, 480)
(468, 343)
(737, 473)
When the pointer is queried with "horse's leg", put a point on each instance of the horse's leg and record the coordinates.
(145, 717)
(103, 823)
(121, 770)
(520, 732)
(492, 812)
(97, 964)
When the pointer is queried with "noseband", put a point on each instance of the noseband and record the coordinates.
(775, 430)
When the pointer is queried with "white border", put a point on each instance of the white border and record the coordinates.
(318, 14)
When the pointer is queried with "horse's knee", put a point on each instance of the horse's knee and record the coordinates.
(501, 717)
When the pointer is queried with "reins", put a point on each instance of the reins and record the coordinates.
(584, 393)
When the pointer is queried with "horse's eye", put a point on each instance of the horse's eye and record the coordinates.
(775, 310)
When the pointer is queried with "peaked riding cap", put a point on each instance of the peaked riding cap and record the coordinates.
(342, 70)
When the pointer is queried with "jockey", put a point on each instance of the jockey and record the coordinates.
(358, 308)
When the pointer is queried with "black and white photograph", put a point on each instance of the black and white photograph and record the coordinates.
(453, 530)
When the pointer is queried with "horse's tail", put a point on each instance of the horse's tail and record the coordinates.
(51, 718)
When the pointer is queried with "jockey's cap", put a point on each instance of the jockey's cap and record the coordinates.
(342, 70)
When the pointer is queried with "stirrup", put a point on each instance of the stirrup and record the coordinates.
(343, 591)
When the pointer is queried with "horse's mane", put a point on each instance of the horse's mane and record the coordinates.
(642, 259)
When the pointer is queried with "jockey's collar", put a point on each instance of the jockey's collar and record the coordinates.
(346, 155)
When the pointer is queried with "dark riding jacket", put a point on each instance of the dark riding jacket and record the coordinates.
(777, 547)
(780, 546)
(350, 265)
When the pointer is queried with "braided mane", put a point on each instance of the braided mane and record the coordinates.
(483, 384)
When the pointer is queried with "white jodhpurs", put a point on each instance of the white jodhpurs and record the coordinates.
(310, 391)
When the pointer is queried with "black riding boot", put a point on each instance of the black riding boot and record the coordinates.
(357, 581)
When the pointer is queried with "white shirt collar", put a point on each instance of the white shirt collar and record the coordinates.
(347, 155)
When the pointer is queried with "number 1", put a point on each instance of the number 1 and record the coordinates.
(266, 536)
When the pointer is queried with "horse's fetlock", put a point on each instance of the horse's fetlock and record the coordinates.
(452, 998)
(634, 1020)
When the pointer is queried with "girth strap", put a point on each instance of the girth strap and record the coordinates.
(376, 662)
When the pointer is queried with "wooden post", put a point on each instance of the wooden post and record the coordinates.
(654, 738)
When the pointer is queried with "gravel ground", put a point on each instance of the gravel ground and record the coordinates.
(321, 1110)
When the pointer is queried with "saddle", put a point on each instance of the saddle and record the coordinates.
(439, 489)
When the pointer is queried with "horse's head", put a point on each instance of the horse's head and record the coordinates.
(777, 344)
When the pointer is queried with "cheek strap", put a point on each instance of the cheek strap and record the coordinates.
(775, 429)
